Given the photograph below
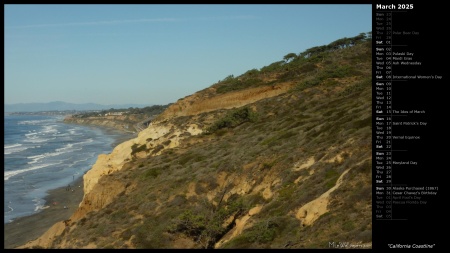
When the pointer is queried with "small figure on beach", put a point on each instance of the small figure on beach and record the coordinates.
(65, 207)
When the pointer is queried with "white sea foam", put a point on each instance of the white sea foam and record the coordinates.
(9, 149)
(10, 208)
(8, 152)
(78, 161)
(13, 145)
(44, 207)
(34, 122)
(35, 158)
(73, 132)
(61, 135)
(37, 204)
(9, 174)
(38, 140)
(30, 134)
(49, 129)
(84, 142)
(68, 148)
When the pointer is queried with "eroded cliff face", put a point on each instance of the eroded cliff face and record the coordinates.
(207, 101)
(122, 122)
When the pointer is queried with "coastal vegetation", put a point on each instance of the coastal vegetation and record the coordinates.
(143, 112)
(290, 170)
(129, 120)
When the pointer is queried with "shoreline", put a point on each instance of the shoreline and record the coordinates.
(121, 135)
(28, 228)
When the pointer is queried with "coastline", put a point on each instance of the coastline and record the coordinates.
(28, 228)
(24, 229)
(121, 135)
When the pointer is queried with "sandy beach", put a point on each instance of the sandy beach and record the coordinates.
(31, 227)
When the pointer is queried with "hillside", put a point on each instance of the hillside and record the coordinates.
(275, 158)
(128, 120)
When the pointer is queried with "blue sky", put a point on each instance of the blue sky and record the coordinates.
(156, 54)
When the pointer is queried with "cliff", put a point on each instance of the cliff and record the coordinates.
(123, 123)
(202, 102)
(276, 158)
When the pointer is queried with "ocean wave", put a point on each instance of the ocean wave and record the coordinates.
(66, 147)
(30, 134)
(84, 142)
(9, 174)
(58, 152)
(78, 161)
(38, 140)
(38, 206)
(41, 207)
(73, 132)
(10, 209)
(15, 148)
(61, 135)
(36, 158)
(13, 145)
(49, 129)
(34, 122)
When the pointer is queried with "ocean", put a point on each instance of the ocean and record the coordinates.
(43, 153)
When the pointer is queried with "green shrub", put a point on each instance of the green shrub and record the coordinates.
(236, 84)
(158, 148)
(136, 149)
(262, 232)
(152, 173)
(233, 119)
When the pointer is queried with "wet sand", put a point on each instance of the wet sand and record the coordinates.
(28, 228)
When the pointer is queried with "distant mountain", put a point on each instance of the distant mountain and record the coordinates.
(62, 106)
